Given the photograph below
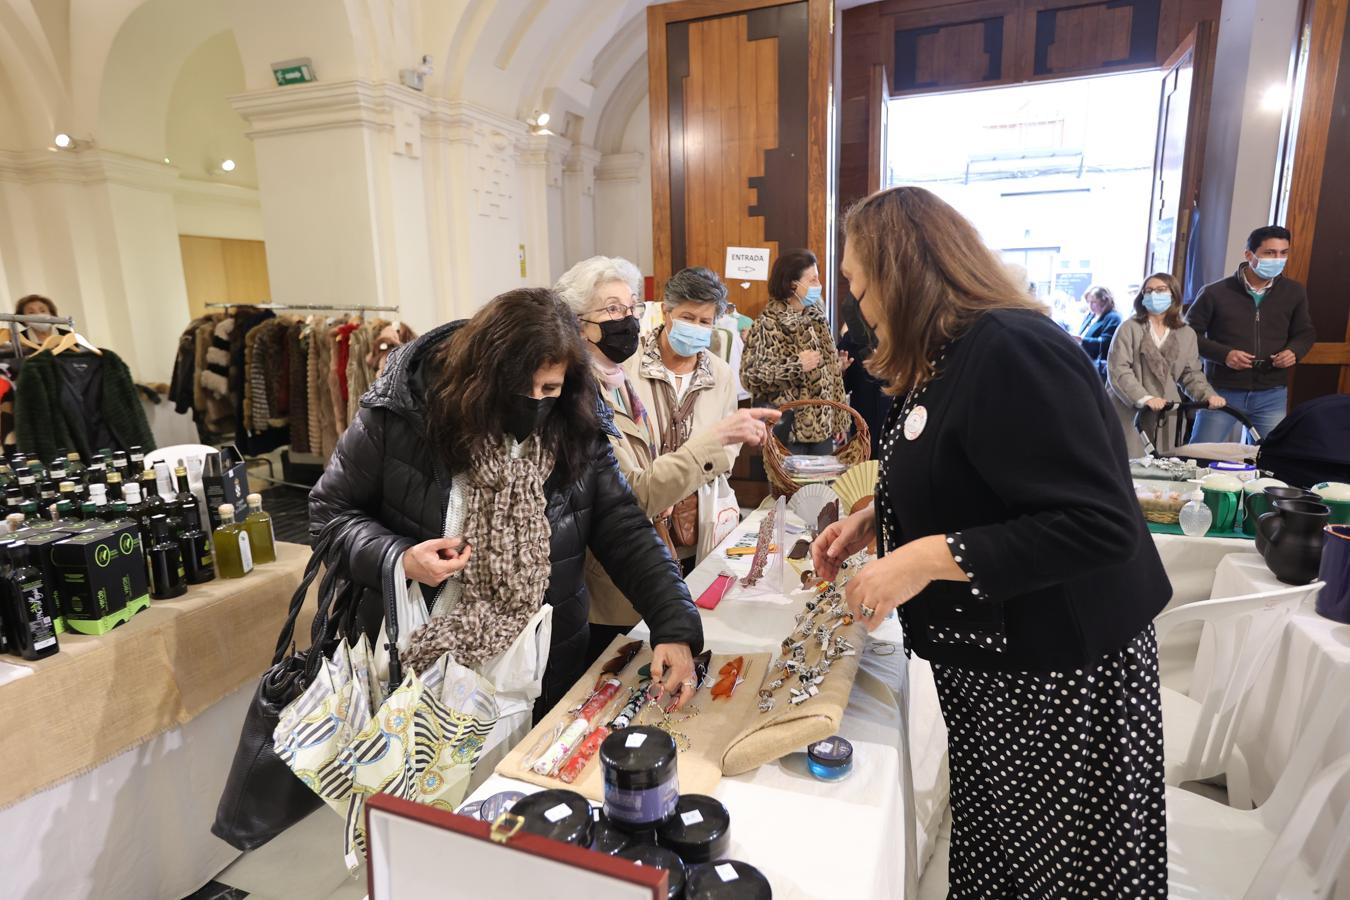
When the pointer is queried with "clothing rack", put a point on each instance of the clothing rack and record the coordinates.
(307, 307)
(32, 320)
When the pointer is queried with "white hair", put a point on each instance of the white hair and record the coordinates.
(578, 284)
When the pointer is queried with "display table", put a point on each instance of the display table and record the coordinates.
(866, 836)
(115, 750)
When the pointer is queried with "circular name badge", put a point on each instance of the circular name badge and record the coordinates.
(915, 422)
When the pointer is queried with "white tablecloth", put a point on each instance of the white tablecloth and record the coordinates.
(867, 836)
(137, 826)
(1296, 675)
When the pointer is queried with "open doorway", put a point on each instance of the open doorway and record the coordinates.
(1057, 176)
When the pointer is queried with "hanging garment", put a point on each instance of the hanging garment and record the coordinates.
(8, 439)
(216, 377)
(81, 401)
(215, 420)
(386, 342)
(360, 374)
(297, 370)
(323, 385)
(339, 390)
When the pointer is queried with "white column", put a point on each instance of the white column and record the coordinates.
(623, 208)
(474, 208)
(579, 204)
(342, 186)
(96, 231)
(541, 168)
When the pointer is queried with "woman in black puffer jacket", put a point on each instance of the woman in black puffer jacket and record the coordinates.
(444, 446)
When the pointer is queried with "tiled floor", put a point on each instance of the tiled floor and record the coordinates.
(303, 863)
(289, 508)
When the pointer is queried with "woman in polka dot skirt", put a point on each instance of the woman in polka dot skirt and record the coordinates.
(1013, 548)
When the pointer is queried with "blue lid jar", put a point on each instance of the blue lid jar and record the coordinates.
(830, 759)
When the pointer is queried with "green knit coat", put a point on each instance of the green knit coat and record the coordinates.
(45, 425)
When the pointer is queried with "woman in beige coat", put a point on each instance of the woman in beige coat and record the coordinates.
(1149, 355)
(674, 402)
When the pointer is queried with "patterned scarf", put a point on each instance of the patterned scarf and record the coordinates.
(506, 523)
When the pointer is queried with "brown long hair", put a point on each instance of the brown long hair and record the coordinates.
(1171, 318)
(495, 354)
(932, 275)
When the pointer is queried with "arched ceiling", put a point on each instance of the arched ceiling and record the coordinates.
(107, 69)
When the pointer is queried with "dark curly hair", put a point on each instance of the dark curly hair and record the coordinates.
(495, 354)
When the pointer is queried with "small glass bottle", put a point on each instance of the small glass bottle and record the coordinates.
(96, 507)
(28, 486)
(13, 500)
(67, 504)
(47, 498)
(234, 558)
(31, 511)
(114, 484)
(167, 576)
(261, 535)
(1195, 517)
(28, 608)
(137, 456)
(150, 491)
(195, 544)
(74, 465)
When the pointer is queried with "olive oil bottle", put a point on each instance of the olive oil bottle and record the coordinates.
(234, 558)
(262, 537)
(168, 579)
(195, 544)
(29, 610)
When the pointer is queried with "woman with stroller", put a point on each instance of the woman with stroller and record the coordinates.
(1151, 353)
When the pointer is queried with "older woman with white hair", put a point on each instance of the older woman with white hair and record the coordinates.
(674, 406)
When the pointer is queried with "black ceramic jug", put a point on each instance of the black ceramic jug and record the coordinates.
(1290, 539)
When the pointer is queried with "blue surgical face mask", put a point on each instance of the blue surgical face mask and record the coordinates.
(1158, 302)
(812, 295)
(1269, 268)
(687, 339)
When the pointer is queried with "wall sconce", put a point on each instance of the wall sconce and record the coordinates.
(538, 122)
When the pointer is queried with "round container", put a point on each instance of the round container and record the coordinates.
(659, 858)
(607, 839)
(726, 879)
(561, 815)
(488, 810)
(830, 759)
(641, 782)
(699, 831)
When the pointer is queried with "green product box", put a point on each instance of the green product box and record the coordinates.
(100, 577)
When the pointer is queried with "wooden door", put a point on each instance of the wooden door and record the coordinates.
(739, 94)
(223, 270)
(1183, 117)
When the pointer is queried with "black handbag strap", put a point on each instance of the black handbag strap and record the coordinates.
(322, 546)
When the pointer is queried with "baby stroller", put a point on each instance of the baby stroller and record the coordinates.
(1148, 422)
(1311, 445)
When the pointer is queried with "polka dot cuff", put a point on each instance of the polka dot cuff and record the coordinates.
(956, 544)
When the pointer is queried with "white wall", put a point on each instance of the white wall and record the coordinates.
(1255, 42)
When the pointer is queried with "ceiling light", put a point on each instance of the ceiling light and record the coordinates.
(227, 165)
(63, 141)
(166, 161)
(1275, 97)
(538, 120)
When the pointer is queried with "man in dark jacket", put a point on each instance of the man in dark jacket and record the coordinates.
(387, 470)
(1252, 327)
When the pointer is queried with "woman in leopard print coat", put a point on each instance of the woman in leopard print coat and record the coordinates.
(790, 355)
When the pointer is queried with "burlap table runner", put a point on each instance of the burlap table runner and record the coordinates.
(101, 696)
(788, 729)
(717, 724)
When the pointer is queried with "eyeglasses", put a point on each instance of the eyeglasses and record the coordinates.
(617, 312)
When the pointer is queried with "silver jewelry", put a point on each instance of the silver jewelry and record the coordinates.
(868, 612)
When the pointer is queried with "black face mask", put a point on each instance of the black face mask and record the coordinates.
(523, 415)
(618, 340)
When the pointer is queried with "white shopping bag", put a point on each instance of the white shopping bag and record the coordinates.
(718, 515)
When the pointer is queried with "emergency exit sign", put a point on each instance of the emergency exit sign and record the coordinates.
(293, 71)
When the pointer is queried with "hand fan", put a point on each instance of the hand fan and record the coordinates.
(856, 486)
(809, 500)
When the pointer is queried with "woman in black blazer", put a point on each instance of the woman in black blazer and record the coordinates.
(1014, 549)
(1099, 327)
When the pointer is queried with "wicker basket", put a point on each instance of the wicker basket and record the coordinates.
(857, 449)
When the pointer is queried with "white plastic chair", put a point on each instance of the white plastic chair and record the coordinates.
(194, 456)
(185, 452)
(1215, 851)
(1239, 634)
